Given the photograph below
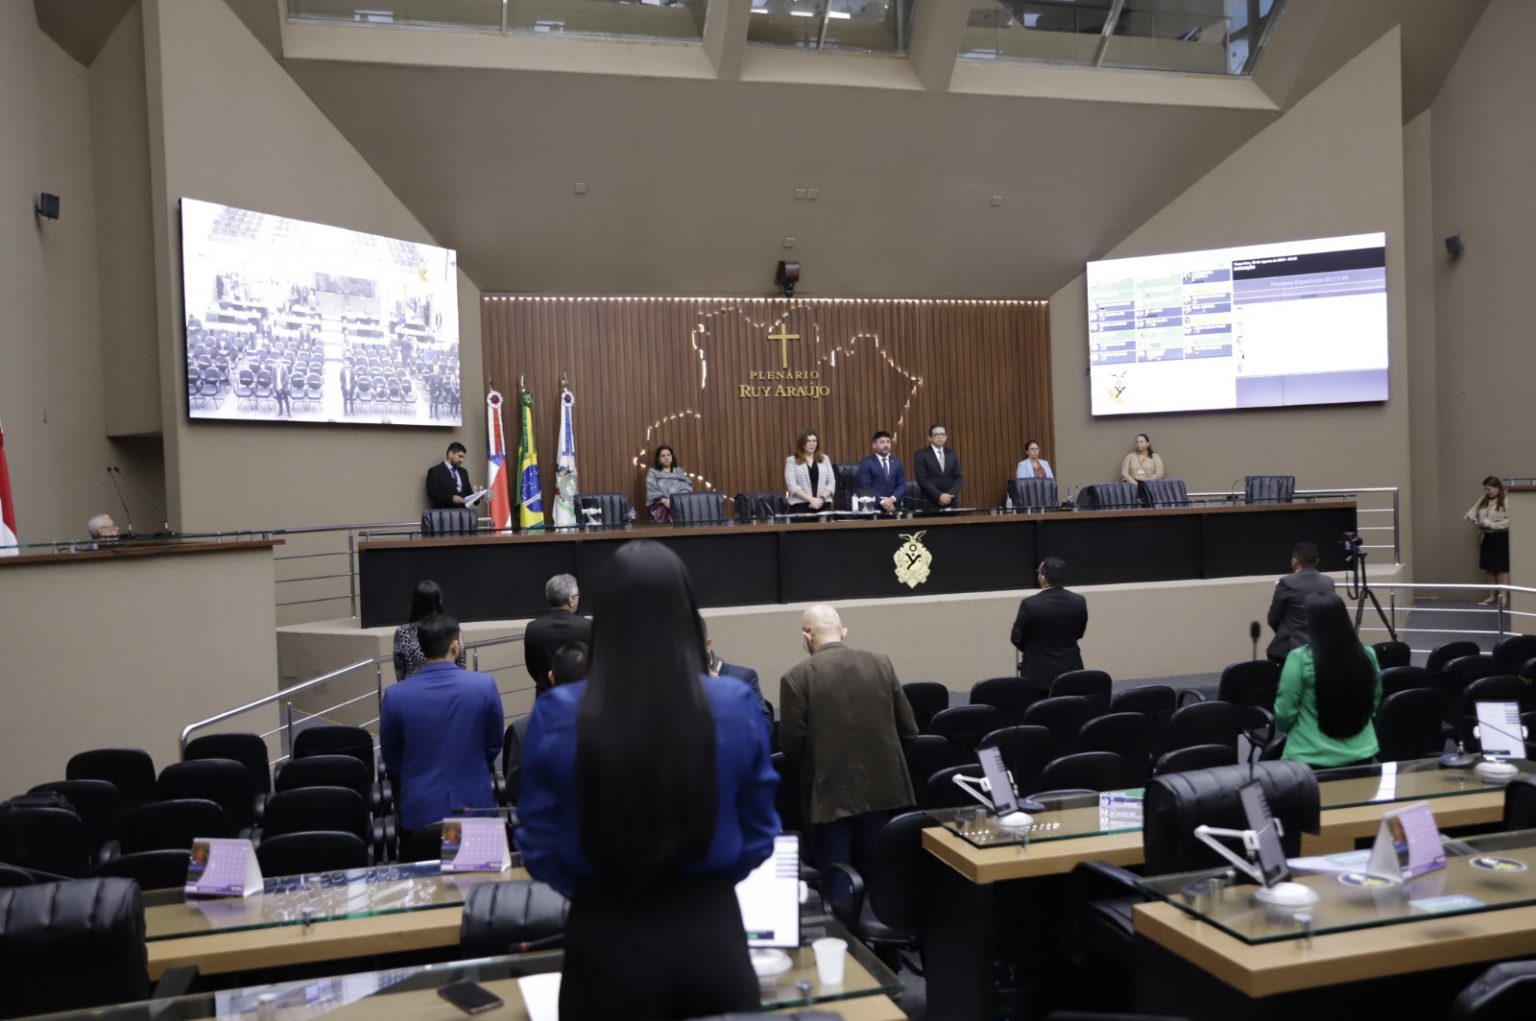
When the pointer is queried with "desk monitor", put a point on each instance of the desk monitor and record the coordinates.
(1499, 730)
(770, 897)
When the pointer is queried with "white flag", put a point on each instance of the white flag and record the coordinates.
(565, 465)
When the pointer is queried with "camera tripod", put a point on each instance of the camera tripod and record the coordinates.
(1359, 589)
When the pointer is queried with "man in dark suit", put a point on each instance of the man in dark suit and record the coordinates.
(720, 668)
(348, 388)
(545, 635)
(1287, 610)
(282, 388)
(881, 475)
(440, 731)
(448, 482)
(937, 472)
(842, 721)
(1048, 626)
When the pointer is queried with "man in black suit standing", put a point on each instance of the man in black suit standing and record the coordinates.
(348, 388)
(561, 625)
(1287, 610)
(1048, 627)
(937, 472)
(448, 482)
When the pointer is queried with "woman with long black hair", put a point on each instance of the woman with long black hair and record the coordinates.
(1329, 690)
(647, 795)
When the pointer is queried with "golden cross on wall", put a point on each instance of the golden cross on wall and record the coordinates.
(783, 337)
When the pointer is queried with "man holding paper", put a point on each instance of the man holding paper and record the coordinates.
(448, 482)
(440, 731)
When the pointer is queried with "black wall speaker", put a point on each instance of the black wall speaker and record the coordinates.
(47, 206)
(1454, 247)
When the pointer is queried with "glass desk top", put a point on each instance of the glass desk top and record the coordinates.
(319, 897)
(411, 991)
(1486, 873)
(1083, 815)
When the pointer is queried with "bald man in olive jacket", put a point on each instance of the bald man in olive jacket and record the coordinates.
(843, 717)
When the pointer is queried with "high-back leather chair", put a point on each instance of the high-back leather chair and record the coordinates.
(1178, 802)
(449, 521)
(511, 917)
(1108, 496)
(1165, 492)
(698, 508)
(1032, 493)
(758, 506)
(847, 476)
(611, 510)
(1269, 488)
(71, 946)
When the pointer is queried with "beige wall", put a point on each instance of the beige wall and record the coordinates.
(126, 652)
(1421, 251)
(1332, 165)
(1484, 146)
(51, 388)
(227, 124)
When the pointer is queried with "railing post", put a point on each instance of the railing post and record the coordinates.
(288, 727)
(474, 658)
(352, 570)
(378, 677)
(1397, 526)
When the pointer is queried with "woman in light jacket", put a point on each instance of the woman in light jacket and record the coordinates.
(663, 481)
(1033, 466)
(809, 480)
(1491, 517)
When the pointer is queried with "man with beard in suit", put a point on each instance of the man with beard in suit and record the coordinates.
(1048, 627)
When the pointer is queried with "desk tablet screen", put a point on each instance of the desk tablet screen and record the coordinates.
(770, 897)
(1499, 730)
(1262, 822)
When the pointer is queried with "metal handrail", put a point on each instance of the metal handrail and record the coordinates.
(1505, 615)
(1397, 517)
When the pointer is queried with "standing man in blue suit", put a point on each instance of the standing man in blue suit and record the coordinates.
(440, 730)
(881, 474)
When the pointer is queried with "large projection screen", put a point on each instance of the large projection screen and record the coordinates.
(1261, 326)
(291, 321)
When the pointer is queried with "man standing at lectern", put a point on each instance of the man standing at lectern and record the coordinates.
(448, 482)
(881, 475)
(937, 471)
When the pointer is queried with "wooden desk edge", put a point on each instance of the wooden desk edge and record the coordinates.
(1292, 965)
(1048, 858)
(137, 550)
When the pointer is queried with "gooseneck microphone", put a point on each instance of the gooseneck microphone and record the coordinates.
(1254, 631)
(165, 523)
(128, 533)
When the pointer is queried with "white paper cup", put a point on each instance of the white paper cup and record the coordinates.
(831, 952)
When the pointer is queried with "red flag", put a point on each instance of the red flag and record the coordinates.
(7, 507)
(496, 471)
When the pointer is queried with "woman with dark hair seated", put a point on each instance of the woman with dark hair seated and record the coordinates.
(1329, 690)
(425, 601)
(664, 480)
(647, 795)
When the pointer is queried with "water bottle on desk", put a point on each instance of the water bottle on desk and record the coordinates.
(1070, 502)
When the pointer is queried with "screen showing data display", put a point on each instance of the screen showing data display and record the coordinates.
(292, 321)
(1260, 326)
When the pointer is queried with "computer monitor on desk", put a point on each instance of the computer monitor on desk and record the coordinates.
(770, 897)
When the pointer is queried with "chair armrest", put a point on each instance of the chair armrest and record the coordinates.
(1099, 880)
(842, 889)
(1188, 695)
(178, 981)
(110, 850)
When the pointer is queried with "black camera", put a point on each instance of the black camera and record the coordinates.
(1351, 544)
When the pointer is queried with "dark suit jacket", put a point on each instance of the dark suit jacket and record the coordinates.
(842, 718)
(873, 480)
(442, 487)
(1288, 611)
(749, 677)
(543, 639)
(1046, 632)
(930, 481)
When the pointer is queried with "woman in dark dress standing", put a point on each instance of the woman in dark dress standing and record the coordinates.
(647, 795)
(1491, 516)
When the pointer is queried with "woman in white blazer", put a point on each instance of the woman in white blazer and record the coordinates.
(1033, 466)
(809, 480)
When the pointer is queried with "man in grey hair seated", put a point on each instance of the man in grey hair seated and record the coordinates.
(102, 527)
(544, 635)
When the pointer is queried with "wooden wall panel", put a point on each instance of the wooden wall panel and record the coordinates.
(651, 370)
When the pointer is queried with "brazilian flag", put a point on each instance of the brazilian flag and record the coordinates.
(530, 499)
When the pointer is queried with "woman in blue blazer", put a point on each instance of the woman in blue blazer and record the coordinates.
(647, 795)
(1033, 466)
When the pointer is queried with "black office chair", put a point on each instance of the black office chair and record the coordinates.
(847, 484)
(941, 791)
(786, 797)
(609, 510)
(1206, 723)
(1109, 496)
(97, 802)
(425, 843)
(926, 754)
(152, 870)
(965, 725)
(130, 770)
(1505, 992)
(1128, 735)
(1094, 685)
(1149, 699)
(1520, 804)
(250, 750)
(71, 946)
(222, 781)
(1026, 749)
(294, 854)
(1252, 682)
(329, 771)
(752, 507)
(1196, 756)
(1498, 688)
(1269, 488)
(927, 698)
(1393, 654)
(1165, 493)
(1513, 653)
(1089, 771)
(882, 907)
(1466, 669)
(171, 826)
(1010, 696)
(512, 917)
(312, 809)
(1409, 725)
(1064, 716)
(698, 509)
(449, 521)
(1032, 494)
(15, 875)
(335, 739)
(48, 839)
(1406, 678)
(1440, 655)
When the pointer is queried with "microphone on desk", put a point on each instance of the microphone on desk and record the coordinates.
(1254, 631)
(123, 534)
(1232, 490)
(165, 524)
